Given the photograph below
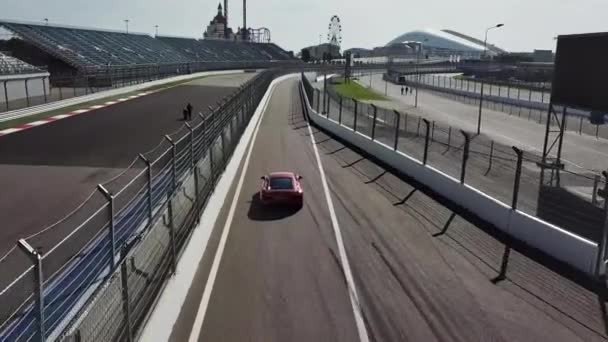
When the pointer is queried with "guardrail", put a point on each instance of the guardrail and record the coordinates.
(383, 139)
(117, 248)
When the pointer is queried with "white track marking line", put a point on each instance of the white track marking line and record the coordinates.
(80, 111)
(350, 282)
(10, 130)
(60, 116)
(202, 310)
(37, 123)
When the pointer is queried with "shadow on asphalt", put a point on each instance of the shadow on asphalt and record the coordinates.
(264, 212)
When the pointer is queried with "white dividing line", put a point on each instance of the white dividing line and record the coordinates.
(350, 282)
(96, 107)
(202, 310)
(80, 111)
(109, 103)
(60, 116)
(37, 123)
(10, 130)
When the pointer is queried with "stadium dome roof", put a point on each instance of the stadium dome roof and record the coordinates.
(444, 40)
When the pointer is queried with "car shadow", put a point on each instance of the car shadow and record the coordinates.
(261, 212)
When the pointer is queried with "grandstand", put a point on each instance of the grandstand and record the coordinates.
(222, 50)
(12, 66)
(93, 52)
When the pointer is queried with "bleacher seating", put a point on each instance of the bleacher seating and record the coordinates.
(84, 49)
(221, 50)
(11, 66)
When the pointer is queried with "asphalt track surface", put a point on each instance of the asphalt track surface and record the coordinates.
(422, 272)
(47, 171)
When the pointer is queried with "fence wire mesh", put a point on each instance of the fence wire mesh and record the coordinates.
(563, 198)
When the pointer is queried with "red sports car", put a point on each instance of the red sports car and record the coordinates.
(282, 188)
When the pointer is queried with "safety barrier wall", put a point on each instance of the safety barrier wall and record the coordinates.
(562, 245)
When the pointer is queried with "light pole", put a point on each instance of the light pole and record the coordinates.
(418, 71)
(127, 25)
(485, 48)
(156, 30)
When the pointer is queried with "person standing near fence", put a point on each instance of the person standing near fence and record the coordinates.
(189, 109)
(402, 90)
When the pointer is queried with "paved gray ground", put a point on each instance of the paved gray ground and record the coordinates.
(47, 171)
(280, 278)
(580, 151)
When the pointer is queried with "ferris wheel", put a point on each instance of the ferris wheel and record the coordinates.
(334, 34)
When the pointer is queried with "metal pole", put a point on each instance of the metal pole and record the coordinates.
(418, 129)
(449, 136)
(172, 233)
(149, 167)
(600, 266)
(596, 181)
(520, 155)
(374, 122)
(426, 141)
(6, 95)
(44, 88)
(110, 199)
(397, 130)
(191, 144)
(174, 162)
(126, 307)
(480, 109)
(27, 93)
(465, 155)
(324, 91)
(36, 259)
(318, 99)
(491, 155)
(340, 113)
(355, 119)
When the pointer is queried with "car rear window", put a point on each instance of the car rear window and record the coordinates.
(281, 183)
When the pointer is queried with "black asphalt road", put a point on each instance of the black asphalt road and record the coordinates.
(47, 171)
(422, 272)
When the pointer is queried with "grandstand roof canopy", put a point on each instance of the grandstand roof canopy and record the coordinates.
(444, 40)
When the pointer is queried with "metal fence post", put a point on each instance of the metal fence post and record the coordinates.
(600, 266)
(324, 92)
(44, 88)
(520, 156)
(36, 259)
(418, 129)
(6, 95)
(491, 155)
(173, 161)
(191, 144)
(172, 233)
(426, 141)
(318, 98)
(465, 155)
(126, 307)
(596, 182)
(374, 122)
(397, 130)
(328, 101)
(110, 199)
(433, 132)
(149, 169)
(355, 119)
(340, 113)
(27, 93)
(449, 136)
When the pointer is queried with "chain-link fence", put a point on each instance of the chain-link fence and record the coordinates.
(508, 174)
(94, 274)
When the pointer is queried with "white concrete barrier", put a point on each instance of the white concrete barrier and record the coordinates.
(574, 250)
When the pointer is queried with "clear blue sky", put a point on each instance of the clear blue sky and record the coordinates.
(294, 24)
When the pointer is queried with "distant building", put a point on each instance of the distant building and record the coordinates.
(318, 51)
(217, 28)
(443, 43)
(543, 56)
(359, 52)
